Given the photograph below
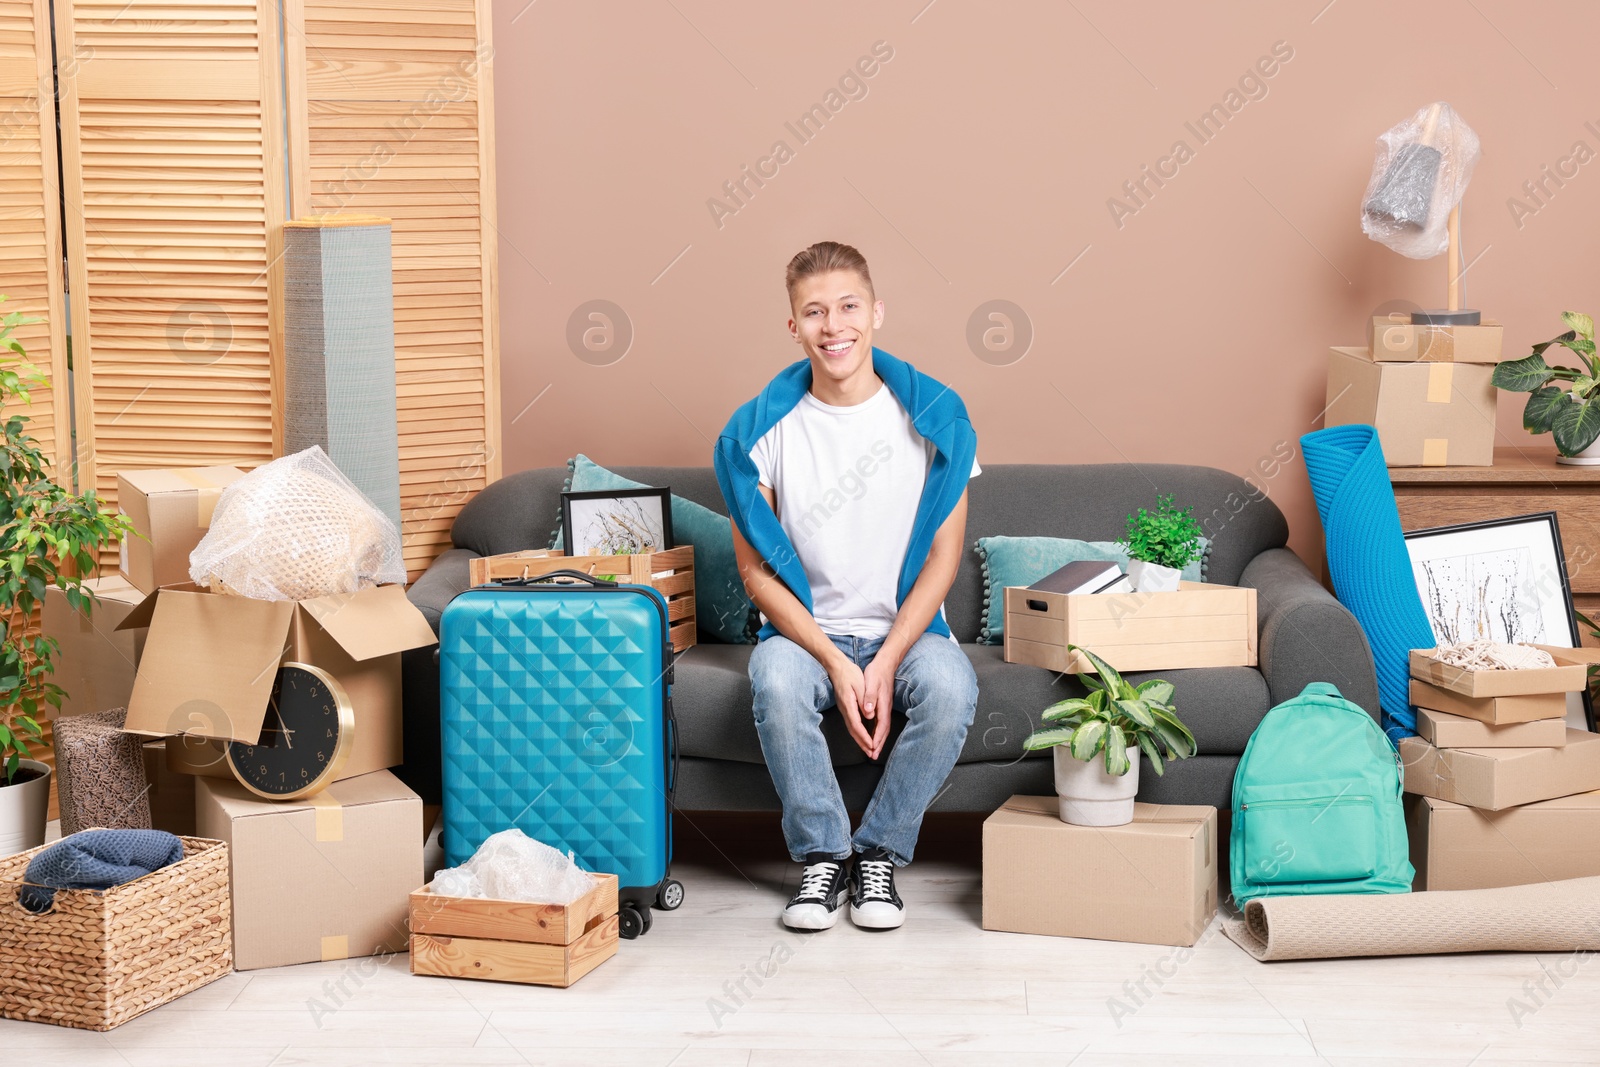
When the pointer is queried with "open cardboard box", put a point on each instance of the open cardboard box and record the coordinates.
(1570, 675)
(210, 660)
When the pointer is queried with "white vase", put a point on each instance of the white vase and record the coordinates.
(1153, 578)
(23, 807)
(1091, 797)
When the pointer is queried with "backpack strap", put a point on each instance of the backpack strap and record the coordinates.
(1322, 689)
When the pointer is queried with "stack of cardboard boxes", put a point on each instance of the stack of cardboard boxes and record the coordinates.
(1503, 791)
(1425, 388)
(323, 878)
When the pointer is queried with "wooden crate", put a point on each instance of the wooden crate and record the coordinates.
(1198, 626)
(513, 940)
(670, 573)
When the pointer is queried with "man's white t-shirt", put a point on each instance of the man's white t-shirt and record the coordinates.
(848, 481)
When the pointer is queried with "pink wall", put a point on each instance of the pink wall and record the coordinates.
(977, 167)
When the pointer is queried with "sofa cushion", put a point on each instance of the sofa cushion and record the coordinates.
(1221, 705)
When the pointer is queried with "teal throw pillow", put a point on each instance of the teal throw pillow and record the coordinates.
(1024, 560)
(722, 609)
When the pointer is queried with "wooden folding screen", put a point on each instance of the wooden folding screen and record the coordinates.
(173, 180)
(390, 113)
(30, 217)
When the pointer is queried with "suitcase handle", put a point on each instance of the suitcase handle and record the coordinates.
(565, 576)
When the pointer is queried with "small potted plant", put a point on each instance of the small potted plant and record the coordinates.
(1159, 545)
(48, 536)
(1097, 740)
(1572, 415)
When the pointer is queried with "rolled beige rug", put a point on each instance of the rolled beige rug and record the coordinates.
(1545, 917)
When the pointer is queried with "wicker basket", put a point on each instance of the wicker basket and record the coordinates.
(101, 957)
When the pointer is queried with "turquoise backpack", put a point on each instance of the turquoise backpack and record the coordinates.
(1316, 804)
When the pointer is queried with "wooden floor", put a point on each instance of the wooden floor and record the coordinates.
(938, 992)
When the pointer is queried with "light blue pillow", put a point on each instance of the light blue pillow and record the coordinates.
(722, 609)
(1024, 560)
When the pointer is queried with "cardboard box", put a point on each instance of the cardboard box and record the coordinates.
(1426, 414)
(1457, 847)
(171, 794)
(1499, 778)
(1494, 711)
(172, 509)
(1393, 339)
(1442, 730)
(197, 756)
(96, 662)
(1200, 625)
(210, 660)
(1152, 881)
(328, 878)
(514, 940)
(1570, 675)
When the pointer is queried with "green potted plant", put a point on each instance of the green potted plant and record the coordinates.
(1097, 740)
(1572, 415)
(48, 536)
(1160, 544)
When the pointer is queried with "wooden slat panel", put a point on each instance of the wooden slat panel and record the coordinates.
(390, 114)
(30, 233)
(173, 180)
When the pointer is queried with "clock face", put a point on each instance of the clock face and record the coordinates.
(305, 737)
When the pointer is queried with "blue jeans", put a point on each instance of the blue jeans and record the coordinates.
(934, 688)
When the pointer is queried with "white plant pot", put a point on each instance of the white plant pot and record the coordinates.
(23, 808)
(1587, 458)
(1091, 797)
(1153, 578)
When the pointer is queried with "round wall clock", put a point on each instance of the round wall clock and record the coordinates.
(305, 740)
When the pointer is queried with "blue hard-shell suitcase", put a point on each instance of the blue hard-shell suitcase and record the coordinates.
(556, 719)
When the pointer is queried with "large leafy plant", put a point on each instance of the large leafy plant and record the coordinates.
(1168, 536)
(48, 536)
(1570, 415)
(1115, 717)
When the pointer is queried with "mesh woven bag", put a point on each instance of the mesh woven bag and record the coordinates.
(295, 529)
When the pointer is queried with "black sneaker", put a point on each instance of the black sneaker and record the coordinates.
(823, 888)
(874, 905)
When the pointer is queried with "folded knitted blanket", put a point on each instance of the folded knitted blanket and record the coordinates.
(1368, 561)
(96, 859)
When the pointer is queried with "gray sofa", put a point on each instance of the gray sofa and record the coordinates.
(1305, 636)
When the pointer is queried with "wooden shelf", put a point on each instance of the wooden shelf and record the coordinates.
(1535, 465)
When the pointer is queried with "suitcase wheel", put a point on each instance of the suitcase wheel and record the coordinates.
(631, 923)
(670, 896)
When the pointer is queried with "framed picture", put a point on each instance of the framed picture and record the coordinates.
(1498, 580)
(616, 522)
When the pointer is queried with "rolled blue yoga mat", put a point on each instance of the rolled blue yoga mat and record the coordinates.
(1367, 559)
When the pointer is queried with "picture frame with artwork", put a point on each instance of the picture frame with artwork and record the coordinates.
(616, 522)
(1499, 580)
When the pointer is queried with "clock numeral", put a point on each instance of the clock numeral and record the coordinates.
(263, 768)
(303, 773)
(322, 757)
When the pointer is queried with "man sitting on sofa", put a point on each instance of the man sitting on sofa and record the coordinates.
(846, 481)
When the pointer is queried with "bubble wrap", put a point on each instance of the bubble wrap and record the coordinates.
(510, 865)
(1420, 173)
(295, 529)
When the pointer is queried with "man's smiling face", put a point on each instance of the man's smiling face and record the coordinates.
(835, 315)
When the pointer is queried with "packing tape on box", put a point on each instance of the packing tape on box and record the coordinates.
(206, 495)
(330, 818)
(336, 947)
(1441, 376)
(1436, 451)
